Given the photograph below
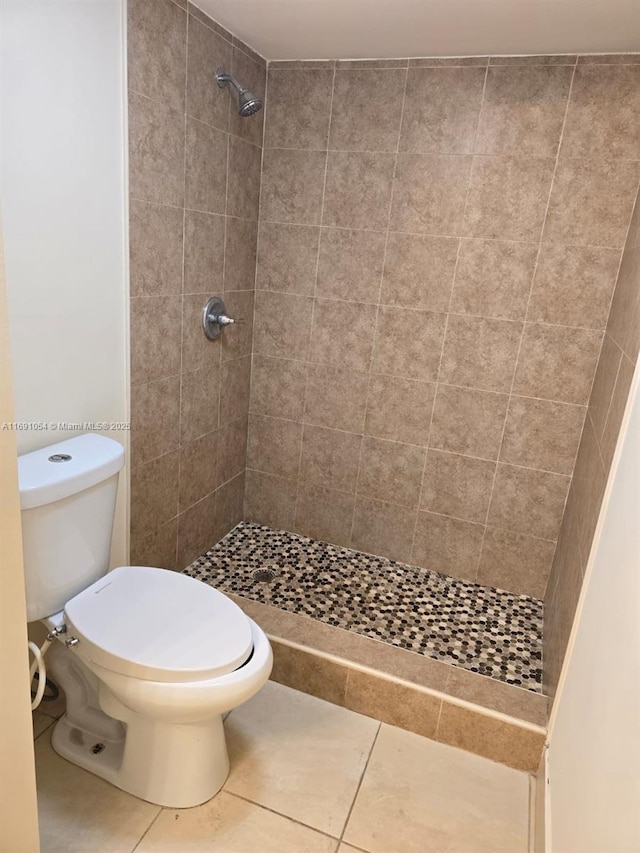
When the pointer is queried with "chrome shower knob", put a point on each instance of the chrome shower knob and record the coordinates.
(215, 318)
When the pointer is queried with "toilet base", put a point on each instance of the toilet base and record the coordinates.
(171, 765)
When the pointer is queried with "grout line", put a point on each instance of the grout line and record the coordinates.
(355, 796)
(225, 790)
(446, 323)
(182, 293)
(313, 298)
(144, 834)
(380, 284)
(526, 314)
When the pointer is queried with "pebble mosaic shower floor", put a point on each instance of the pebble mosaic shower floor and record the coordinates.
(485, 630)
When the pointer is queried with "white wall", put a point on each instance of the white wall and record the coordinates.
(63, 182)
(594, 739)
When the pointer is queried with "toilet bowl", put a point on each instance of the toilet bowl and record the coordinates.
(149, 659)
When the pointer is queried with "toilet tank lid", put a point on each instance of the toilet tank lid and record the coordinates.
(46, 475)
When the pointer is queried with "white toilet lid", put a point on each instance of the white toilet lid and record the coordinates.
(158, 625)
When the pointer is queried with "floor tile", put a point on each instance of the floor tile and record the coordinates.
(41, 723)
(228, 824)
(80, 813)
(298, 755)
(419, 796)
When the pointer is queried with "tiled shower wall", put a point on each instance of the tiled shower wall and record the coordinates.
(194, 190)
(606, 409)
(439, 242)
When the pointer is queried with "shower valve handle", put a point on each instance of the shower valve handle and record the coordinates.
(215, 318)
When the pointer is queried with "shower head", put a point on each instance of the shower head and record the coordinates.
(249, 104)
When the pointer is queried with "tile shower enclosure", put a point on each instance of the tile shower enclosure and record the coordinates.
(438, 243)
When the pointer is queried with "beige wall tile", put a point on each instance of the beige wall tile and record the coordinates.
(330, 458)
(504, 698)
(552, 59)
(204, 239)
(274, 446)
(270, 500)
(155, 337)
(393, 702)
(399, 409)
(616, 411)
(523, 110)
(157, 549)
(542, 434)
(557, 363)
(243, 178)
(447, 545)
(155, 419)
(240, 254)
(561, 599)
(591, 202)
(154, 493)
(278, 386)
(155, 249)
(197, 530)
(514, 562)
(443, 109)
(508, 197)
(602, 115)
(282, 324)
(604, 384)
(418, 271)
(624, 318)
(198, 469)
(480, 352)
(457, 485)
(342, 334)
(299, 108)
(429, 193)
(229, 506)
(206, 167)
(529, 502)
(335, 398)
(383, 528)
(408, 343)
(232, 450)
(495, 739)
(207, 52)
(391, 471)
(468, 421)
(157, 47)
(292, 186)
(309, 673)
(355, 126)
(573, 285)
(358, 189)
(235, 379)
(589, 482)
(350, 264)
(324, 514)
(493, 278)
(287, 258)
(199, 402)
(156, 152)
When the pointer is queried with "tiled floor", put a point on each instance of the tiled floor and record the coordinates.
(306, 777)
(484, 630)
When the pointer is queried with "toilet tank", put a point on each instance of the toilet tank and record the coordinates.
(68, 498)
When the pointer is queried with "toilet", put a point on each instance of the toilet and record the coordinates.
(149, 659)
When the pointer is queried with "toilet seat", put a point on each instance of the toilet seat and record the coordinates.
(158, 625)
